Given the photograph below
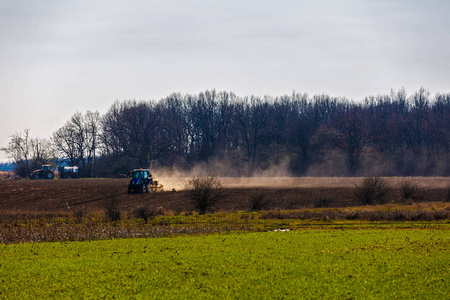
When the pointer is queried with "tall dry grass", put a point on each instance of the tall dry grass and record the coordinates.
(22, 227)
(420, 212)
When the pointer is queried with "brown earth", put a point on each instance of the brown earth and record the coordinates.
(282, 193)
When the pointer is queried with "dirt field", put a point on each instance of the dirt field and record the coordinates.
(282, 193)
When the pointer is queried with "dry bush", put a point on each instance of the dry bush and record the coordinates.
(203, 192)
(247, 217)
(160, 211)
(410, 192)
(78, 215)
(370, 215)
(110, 205)
(372, 190)
(278, 215)
(144, 213)
(258, 201)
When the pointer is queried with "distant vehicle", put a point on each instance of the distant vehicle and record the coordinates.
(68, 172)
(139, 181)
(117, 175)
(44, 173)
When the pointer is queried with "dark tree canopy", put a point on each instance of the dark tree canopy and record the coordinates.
(395, 134)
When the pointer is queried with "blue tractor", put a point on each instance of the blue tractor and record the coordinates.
(139, 181)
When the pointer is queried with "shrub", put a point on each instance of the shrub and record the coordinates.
(112, 211)
(78, 215)
(410, 192)
(160, 211)
(278, 215)
(203, 192)
(258, 201)
(144, 213)
(372, 190)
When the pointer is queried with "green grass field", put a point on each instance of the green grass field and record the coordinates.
(332, 264)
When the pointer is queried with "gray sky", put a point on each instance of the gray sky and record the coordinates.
(59, 57)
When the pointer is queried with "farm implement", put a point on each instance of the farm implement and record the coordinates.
(156, 186)
(68, 172)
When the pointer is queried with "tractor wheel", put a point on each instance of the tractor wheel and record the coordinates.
(142, 188)
(49, 175)
(146, 189)
(35, 176)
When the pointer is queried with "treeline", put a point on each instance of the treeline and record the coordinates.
(229, 135)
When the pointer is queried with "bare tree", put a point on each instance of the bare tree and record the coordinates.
(93, 132)
(135, 133)
(27, 153)
(351, 134)
(254, 129)
(77, 141)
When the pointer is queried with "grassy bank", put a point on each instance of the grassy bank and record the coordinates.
(21, 227)
(322, 264)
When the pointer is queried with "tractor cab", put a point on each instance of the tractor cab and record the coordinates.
(140, 173)
(46, 168)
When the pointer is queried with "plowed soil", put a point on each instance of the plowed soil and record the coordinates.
(282, 193)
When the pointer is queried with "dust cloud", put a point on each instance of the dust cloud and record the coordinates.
(231, 175)
(278, 176)
(330, 172)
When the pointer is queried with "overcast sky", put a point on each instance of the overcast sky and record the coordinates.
(59, 57)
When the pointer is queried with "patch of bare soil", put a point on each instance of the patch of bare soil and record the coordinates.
(280, 193)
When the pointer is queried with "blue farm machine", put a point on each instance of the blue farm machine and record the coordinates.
(141, 181)
(69, 172)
